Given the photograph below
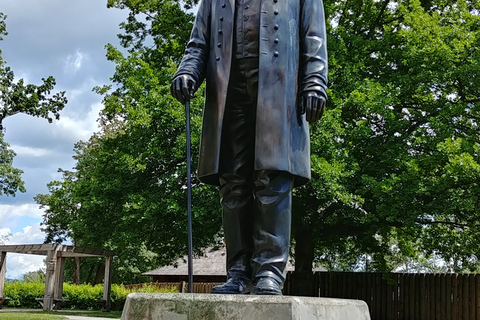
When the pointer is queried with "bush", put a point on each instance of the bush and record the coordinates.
(23, 294)
(80, 297)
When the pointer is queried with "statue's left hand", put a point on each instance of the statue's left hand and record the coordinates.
(313, 105)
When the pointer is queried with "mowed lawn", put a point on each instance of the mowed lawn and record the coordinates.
(28, 316)
(39, 315)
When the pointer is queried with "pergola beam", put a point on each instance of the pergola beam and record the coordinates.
(56, 254)
(63, 250)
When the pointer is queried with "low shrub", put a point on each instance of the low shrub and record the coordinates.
(80, 297)
(23, 294)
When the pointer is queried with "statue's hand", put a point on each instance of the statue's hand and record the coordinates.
(313, 104)
(182, 87)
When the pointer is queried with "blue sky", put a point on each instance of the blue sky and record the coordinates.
(64, 39)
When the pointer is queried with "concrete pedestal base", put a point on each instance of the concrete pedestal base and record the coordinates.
(187, 306)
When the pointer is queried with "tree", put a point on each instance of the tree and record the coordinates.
(18, 97)
(394, 160)
(402, 77)
(128, 190)
(4, 237)
(10, 177)
(35, 276)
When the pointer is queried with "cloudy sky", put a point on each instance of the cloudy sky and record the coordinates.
(64, 39)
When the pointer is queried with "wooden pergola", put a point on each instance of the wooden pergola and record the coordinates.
(56, 255)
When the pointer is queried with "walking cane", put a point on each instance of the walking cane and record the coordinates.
(189, 201)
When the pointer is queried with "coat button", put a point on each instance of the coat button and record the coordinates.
(221, 18)
(246, 7)
(220, 31)
(275, 27)
(275, 1)
(275, 53)
(276, 40)
(224, 5)
(245, 18)
(275, 12)
(219, 45)
(217, 58)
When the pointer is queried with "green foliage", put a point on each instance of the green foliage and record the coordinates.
(80, 297)
(23, 294)
(18, 97)
(35, 276)
(127, 192)
(403, 79)
(10, 177)
(395, 159)
(3, 26)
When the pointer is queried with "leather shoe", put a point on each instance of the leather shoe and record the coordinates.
(233, 285)
(267, 286)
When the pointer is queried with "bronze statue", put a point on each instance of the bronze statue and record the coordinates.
(265, 65)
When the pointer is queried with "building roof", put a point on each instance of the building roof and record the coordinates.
(211, 263)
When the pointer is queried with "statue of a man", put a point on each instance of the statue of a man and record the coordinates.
(265, 65)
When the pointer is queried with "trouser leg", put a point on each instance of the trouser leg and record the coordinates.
(272, 221)
(236, 166)
(237, 203)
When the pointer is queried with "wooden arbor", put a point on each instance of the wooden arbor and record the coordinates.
(56, 254)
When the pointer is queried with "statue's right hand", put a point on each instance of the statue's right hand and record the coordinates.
(183, 87)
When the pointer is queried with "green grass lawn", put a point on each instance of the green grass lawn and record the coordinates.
(44, 315)
(28, 316)
(111, 314)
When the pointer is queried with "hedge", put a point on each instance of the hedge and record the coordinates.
(80, 297)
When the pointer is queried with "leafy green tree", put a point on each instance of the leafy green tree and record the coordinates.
(10, 177)
(128, 190)
(394, 160)
(403, 79)
(18, 97)
(35, 276)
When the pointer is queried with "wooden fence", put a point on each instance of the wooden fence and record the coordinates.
(392, 296)
(403, 296)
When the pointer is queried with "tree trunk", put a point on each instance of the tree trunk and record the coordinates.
(303, 284)
(90, 274)
(76, 271)
(100, 273)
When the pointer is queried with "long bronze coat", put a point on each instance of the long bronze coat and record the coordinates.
(292, 60)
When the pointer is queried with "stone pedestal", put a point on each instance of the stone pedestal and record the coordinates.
(187, 306)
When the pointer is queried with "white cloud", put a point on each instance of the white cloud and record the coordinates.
(69, 46)
(73, 62)
(30, 234)
(23, 151)
(79, 129)
(5, 234)
(24, 210)
(19, 264)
